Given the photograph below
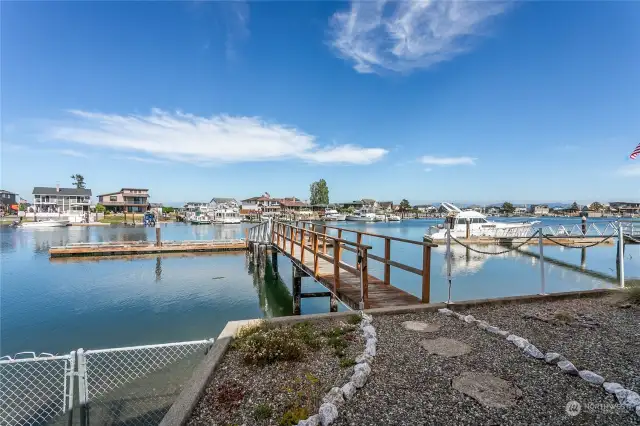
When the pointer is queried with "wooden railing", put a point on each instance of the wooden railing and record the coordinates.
(312, 237)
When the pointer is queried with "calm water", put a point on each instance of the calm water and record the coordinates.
(59, 305)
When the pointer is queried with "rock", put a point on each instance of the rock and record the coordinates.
(364, 324)
(493, 330)
(611, 387)
(371, 341)
(459, 316)
(487, 389)
(369, 332)
(503, 333)
(313, 420)
(628, 398)
(364, 358)
(518, 341)
(359, 379)
(568, 367)
(482, 325)
(591, 377)
(364, 367)
(366, 317)
(348, 391)
(445, 311)
(552, 358)
(327, 414)
(638, 411)
(370, 349)
(334, 396)
(469, 319)
(420, 326)
(533, 352)
(445, 347)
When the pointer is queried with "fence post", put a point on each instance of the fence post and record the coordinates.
(324, 239)
(541, 248)
(336, 265)
(315, 255)
(387, 258)
(364, 278)
(621, 253)
(246, 236)
(448, 254)
(302, 246)
(426, 274)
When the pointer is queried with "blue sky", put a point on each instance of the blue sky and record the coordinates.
(462, 101)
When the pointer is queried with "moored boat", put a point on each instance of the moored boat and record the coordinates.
(394, 218)
(333, 215)
(49, 223)
(362, 215)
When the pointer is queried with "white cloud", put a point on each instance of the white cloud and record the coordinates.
(72, 153)
(447, 161)
(140, 159)
(629, 170)
(406, 35)
(204, 140)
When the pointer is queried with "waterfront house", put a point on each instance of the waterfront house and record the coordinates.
(293, 205)
(520, 210)
(426, 208)
(67, 201)
(625, 208)
(370, 203)
(196, 206)
(356, 204)
(129, 200)
(7, 200)
(539, 209)
(223, 203)
(385, 206)
(265, 204)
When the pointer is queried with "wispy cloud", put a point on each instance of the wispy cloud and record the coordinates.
(72, 153)
(407, 35)
(629, 170)
(204, 140)
(447, 161)
(237, 26)
(139, 159)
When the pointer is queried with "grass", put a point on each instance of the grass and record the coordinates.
(262, 412)
(347, 362)
(353, 319)
(293, 416)
(564, 316)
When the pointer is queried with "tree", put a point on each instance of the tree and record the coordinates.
(319, 192)
(508, 208)
(168, 210)
(78, 181)
(575, 206)
(100, 208)
(596, 206)
(404, 205)
(22, 207)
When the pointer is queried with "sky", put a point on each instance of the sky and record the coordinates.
(430, 101)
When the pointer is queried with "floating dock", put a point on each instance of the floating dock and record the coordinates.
(572, 241)
(146, 247)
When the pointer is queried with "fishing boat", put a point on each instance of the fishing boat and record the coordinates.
(362, 215)
(333, 215)
(48, 223)
(474, 224)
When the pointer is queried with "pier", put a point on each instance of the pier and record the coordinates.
(145, 247)
(306, 243)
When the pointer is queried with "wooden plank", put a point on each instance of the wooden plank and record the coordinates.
(426, 274)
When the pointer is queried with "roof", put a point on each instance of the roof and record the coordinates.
(385, 203)
(223, 200)
(368, 200)
(136, 189)
(7, 192)
(291, 203)
(43, 190)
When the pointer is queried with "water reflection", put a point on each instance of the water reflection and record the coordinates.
(273, 294)
(465, 261)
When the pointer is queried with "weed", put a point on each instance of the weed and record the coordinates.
(353, 319)
(305, 332)
(228, 396)
(338, 344)
(262, 412)
(347, 362)
(564, 316)
(293, 416)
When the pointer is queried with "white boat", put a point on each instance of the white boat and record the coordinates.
(477, 225)
(199, 219)
(49, 223)
(362, 215)
(226, 216)
(333, 215)
(381, 218)
(394, 218)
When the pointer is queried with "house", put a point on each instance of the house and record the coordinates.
(385, 206)
(520, 209)
(61, 200)
(223, 203)
(293, 205)
(196, 206)
(493, 210)
(264, 204)
(370, 203)
(356, 205)
(539, 209)
(7, 200)
(129, 200)
(426, 208)
(625, 208)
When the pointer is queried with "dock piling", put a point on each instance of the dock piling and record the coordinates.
(541, 248)
(297, 289)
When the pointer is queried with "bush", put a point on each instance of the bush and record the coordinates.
(100, 208)
(266, 346)
(262, 412)
(353, 319)
(293, 416)
(347, 362)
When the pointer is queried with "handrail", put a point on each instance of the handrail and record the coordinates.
(331, 237)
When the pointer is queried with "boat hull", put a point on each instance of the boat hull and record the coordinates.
(46, 224)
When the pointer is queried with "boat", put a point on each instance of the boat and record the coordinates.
(476, 225)
(362, 215)
(333, 215)
(394, 218)
(381, 218)
(48, 223)
(199, 218)
(226, 216)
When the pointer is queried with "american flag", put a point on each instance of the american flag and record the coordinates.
(635, 152)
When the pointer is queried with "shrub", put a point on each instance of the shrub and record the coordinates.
(293, 416)
(347, 362)
(353, 319)
(268, 346)
(262, 412)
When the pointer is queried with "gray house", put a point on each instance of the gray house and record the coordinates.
(7, 199)
(61, 200)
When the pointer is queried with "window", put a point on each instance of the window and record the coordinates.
(113, 198)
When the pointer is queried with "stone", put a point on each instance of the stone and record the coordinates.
(504, 333)
(553, 358)
(334, 396)
(568, 367)
(533, 352)
(459, 316)
(369, 332)
(371, 341)
(469, 319)
(367, 317)
(445, 311)
(327, 414)
(483, 325)
(364, 358)
(591, 377)
(488, 390)
(445, 347)
(364, 324)
(638, 411)
(359, 379)
(492, 329)
(518, 341)
(348, 391)
(370, 349)
(423, 327)
(313, 420)
(628, 398)
(611, 387)
(364, 367)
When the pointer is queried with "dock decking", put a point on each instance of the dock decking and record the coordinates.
(145, 247)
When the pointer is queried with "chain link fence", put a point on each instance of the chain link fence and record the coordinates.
(35, 389)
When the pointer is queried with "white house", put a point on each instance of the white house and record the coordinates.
(61, 201)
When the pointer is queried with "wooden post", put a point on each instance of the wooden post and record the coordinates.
(291, 251)
(324, 239)
(315, 255)
(297, 290)
(387, 258)
(426, 274)
(468, 234)
(336, 265)
(302, 245)
(333, 303)
(359, 238)
(246, 236)
(158, 239)
(274, 261)
(364, 279)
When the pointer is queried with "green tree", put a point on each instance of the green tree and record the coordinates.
(100, 208)
(22, 207)
(575, 206)
(508, 208)
(168, 210)
(596, 206)
(78, 181)
(404, 205)
(319, 192)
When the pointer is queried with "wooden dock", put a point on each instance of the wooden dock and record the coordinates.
(575, 241)
(145, 247)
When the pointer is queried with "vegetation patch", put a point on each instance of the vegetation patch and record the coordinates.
(262, 412)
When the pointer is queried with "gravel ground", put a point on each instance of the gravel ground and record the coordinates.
(237, 388)
(410, 387)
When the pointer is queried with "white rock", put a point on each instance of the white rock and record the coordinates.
(370, 349)
(348, 391)
(364, 358)
(334, 396)
(568, 367)
(367, 317)
(628, 399)
(492, 329)
(638, 411)
(611, 387)
(369, 332)
(311, 421)
(328, 414)
(511, 337)
(371, 341)
(445, 311)
(520, 342)
(364, 367)
(591, 377)
(469, 319)
(552, 358)
(459, 316)
(364, 324)
(482, 325)
(359, 379)
(503, 333)
(534, 352)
